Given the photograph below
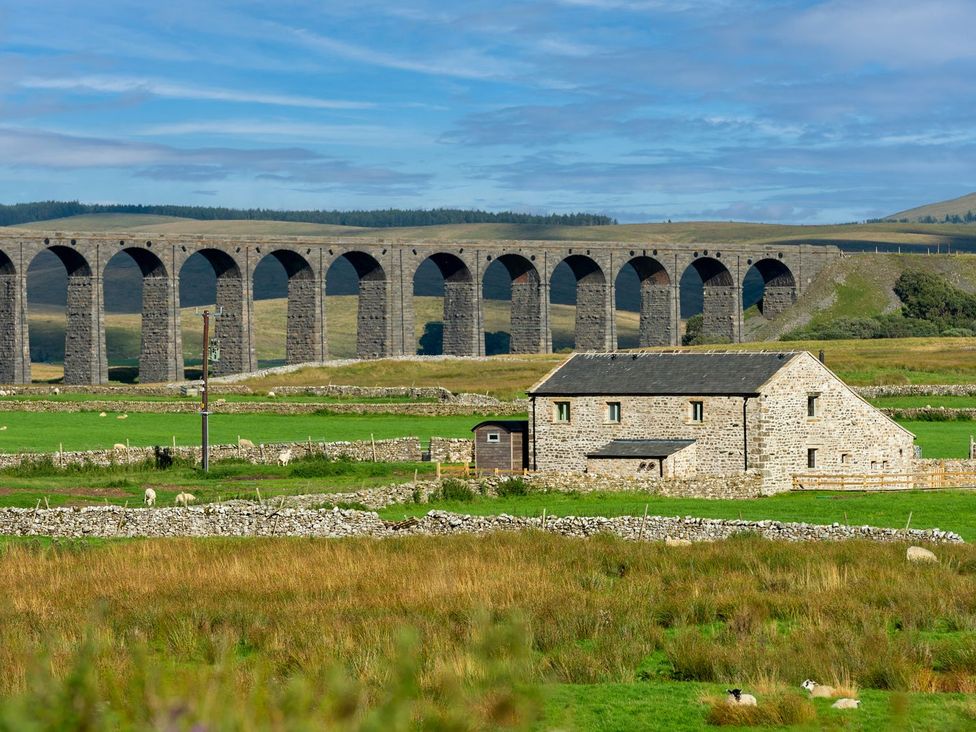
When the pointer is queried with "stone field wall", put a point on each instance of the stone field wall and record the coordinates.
(404, 449)
(276, 520)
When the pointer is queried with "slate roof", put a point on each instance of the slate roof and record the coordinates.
(639, 448)
(663, 373)
(511, 425)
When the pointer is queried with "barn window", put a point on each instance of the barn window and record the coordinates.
(698, 411)
(811, 457)
(845, 458)
(813, 405)
(562, 411)
(613, 411)
(493, 437)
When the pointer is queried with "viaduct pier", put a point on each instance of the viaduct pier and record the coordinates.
(385, 269)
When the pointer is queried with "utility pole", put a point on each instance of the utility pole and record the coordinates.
(205, 411)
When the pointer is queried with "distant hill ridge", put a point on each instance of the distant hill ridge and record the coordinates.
(960, 210)
(23, 213)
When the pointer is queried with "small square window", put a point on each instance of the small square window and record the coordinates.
(493, 437)
(698, 411)
(884, 465)
(562, 411)
(613, 411)
(874, 465)
(845, 458)
(813, 405)
(811, 457)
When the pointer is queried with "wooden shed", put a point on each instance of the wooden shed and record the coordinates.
(501, 444)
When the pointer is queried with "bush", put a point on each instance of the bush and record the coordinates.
(512, 487)
(773, 710)
(455, 490)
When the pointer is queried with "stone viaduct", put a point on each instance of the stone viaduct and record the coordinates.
(386, 271)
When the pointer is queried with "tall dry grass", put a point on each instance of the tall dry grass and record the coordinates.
(739, 612)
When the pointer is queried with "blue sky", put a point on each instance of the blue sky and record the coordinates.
(806, 112)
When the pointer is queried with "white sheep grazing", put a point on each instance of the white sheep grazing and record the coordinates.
(737, 697)
(102, 414)
(284, 457)
(242, 442)
(119, 447)
(846, 703)
(149, 497)
(920, 554)
(185, 499)
(122, 416)
(55, 390)
(3, 428)
(818, 690)
(271, 395)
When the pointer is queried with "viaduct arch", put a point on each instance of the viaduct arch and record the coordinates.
(385, 271)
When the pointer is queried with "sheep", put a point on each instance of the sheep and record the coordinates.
(920, 554)
(675, 541)
(149, 497)
(846, 703)
(122, 416)
(120, 447)
(271, 395)
(55, 390)
(818, 690)
(185, 499)
(3, 428)
(243, 442)
(737, 697)
(102, 414)
(284, 457)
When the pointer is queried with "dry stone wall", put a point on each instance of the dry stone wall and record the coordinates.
(276, 520)
(405, 449)
(451, 450)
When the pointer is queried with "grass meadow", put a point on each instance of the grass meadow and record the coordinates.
(517, 631)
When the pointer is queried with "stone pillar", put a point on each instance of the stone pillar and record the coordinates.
(373, 326)
(161, 355)
(657, 325)
(462, 337)
(233, 327)
(85, 360)
(593, 309)
(777, 299)
(722, 314)
(529, 317)
(14, 343)
(303, 340)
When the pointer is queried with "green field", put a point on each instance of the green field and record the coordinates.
(45, 431)
(949, 510)
(942, 439)
(918, 402)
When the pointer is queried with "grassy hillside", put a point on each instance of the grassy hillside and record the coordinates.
(852, 235)
(953, 207)
(123, 330)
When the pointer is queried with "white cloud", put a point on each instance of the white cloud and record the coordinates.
(892, 33)
(153, 87)
(289, 129)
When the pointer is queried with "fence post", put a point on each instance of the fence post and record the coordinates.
(438, 470)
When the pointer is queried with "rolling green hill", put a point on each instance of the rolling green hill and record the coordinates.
(938, 211)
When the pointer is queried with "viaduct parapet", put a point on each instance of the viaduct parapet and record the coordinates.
(386, 271)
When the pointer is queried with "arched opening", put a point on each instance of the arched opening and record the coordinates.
(211, 278)
(521, 326)
(14, 356)
(708, 288)
(580, 280)
(644, 285)
(458, 333)
(770, 286)
(140, 313)
(288, 317)
(359, 328)
(65, 316)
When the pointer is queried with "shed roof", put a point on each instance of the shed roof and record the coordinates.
(512, 425)
(691, 373)
(640, 448)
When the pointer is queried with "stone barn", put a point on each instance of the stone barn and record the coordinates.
(686, 414)
(501, 444)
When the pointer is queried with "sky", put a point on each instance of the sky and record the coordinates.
(645, 110)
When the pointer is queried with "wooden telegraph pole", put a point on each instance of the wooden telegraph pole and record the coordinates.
(211, 352)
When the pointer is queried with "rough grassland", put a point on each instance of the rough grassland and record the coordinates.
(607, 635)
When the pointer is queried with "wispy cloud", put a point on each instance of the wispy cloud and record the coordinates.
(173, 90)
(365, 134)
